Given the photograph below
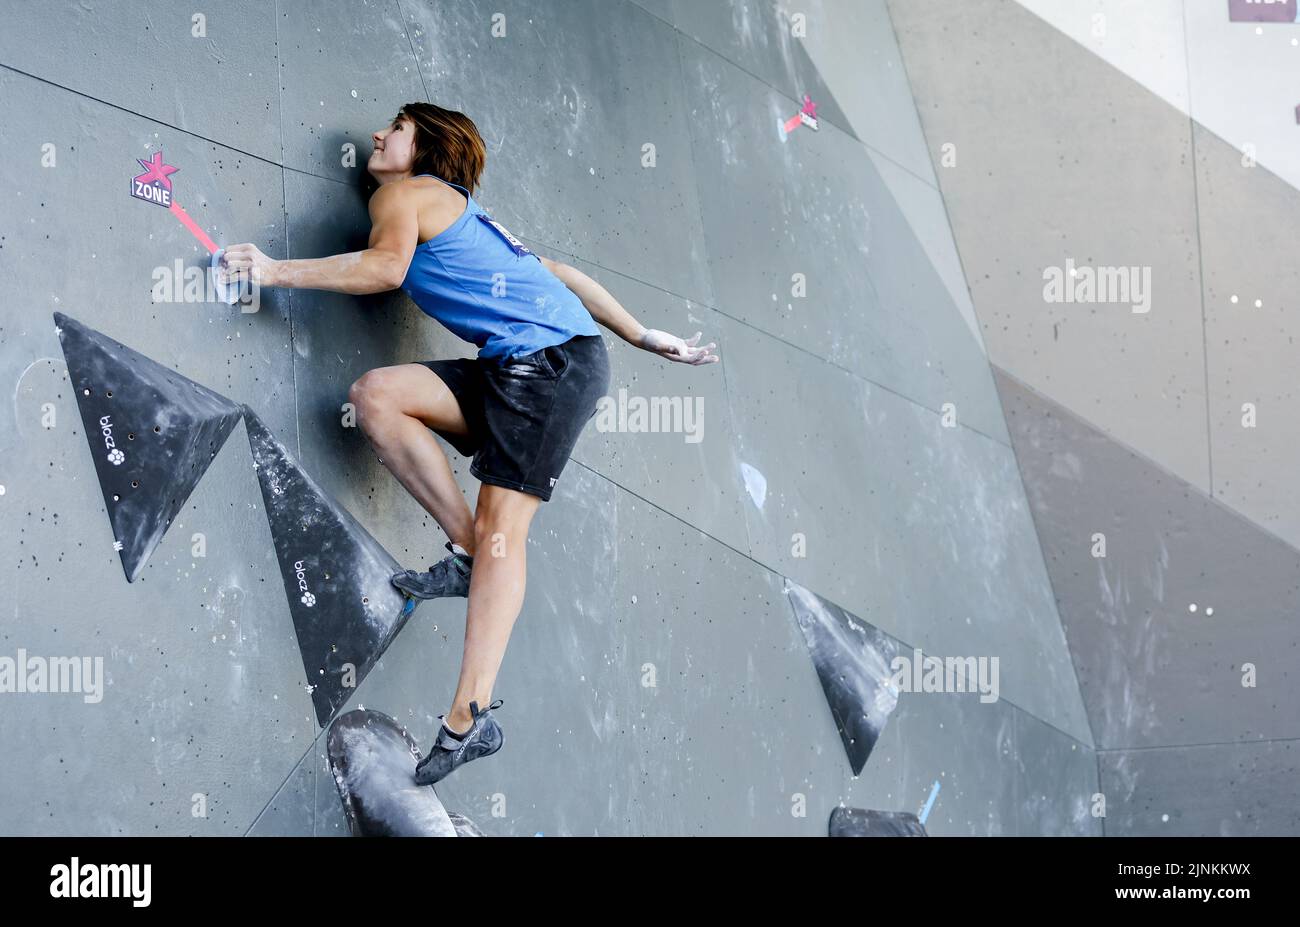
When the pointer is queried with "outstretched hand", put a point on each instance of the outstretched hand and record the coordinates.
(677, 349)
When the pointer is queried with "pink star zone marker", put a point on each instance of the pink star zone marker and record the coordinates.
(806, 116)
(155, 184)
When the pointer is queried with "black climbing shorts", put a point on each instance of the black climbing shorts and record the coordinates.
(525, 413)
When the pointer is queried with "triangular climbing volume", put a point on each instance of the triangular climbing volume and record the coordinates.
(858, 822)
(152, 435)
(853, 662)
(373, 760)
(336, 576)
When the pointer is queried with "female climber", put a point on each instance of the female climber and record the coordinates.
(517, 408)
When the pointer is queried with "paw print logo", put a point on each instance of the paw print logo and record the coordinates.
(115, 457)
(308, 599)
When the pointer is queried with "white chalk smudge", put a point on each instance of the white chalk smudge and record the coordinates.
(755, 484)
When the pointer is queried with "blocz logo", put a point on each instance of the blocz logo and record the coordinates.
(155, 184)
(115, 455)
(300, 570)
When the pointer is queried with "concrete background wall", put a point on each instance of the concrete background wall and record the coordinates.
(1158, 136)
(655, 552)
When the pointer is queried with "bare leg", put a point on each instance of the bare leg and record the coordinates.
(396, 407)
(496, 594)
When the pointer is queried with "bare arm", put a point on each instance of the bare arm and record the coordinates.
(607, 310)
(604, 308)
(382, 266)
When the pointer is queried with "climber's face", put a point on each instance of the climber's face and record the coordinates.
(394, 148)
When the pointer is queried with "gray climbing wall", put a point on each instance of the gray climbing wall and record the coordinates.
(701, 615)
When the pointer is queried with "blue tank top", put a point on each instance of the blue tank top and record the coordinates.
(486, 287)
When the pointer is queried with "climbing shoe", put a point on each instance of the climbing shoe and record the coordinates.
(448, 577)
(450, 750)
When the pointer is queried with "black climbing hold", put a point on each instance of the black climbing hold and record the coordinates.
(858, 822)
(373, 761)
(852, 659)
(336, 576)
(152, 434)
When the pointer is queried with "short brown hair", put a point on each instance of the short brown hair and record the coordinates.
(447, 144)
